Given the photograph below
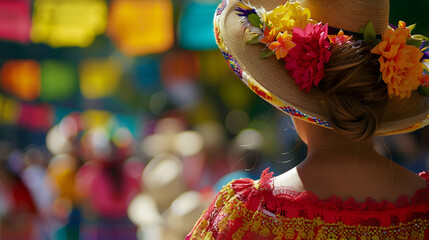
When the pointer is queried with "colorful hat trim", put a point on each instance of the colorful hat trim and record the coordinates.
(340, 37)
(303, 44)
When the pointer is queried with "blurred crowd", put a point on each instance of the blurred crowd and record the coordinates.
(120, 119)
(101, 183)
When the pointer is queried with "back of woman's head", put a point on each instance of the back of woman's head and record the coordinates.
(355, 97)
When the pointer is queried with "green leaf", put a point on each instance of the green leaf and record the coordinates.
(255, 20)
(253, 38)
(362, 30)
(267, 53)
(420, 37)
(369, 34)
(414, 42)
(424, 91)
(411, 27)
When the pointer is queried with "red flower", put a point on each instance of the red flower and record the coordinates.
(306, 61)
(424, 80)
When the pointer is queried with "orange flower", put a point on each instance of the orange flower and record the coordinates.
(282, 45)
(399, 63)
(269, 35)
(402, 25)
(339, 38)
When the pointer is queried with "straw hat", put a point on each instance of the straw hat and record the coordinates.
(269, 79)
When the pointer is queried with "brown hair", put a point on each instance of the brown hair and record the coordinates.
(354, 97)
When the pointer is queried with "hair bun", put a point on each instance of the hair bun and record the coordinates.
(354, 98)
(352, 119)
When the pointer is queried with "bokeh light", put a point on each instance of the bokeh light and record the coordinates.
(59, 80)
(99, 78)
(141, 27)
(21, 78)
(9, 110)
(121, 119)
(195, 25)
(68, 22)
(15, 20)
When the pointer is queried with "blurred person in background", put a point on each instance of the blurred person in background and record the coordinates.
(341, 88)
(106, 185)
(35, 178)
(62, 170)
(63, 142)
(18, 212)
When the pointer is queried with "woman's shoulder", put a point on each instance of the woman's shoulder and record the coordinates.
(265, 190)
(245, 191)
(259, 209)
(288, 203)
(265, 196)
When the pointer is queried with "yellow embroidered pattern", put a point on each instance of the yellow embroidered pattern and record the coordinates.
(300, 228)
(267, 225)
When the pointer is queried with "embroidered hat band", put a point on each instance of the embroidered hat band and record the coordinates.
(280, 51)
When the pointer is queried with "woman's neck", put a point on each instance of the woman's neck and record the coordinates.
(337, 165)
(331, 147)
(326, 144)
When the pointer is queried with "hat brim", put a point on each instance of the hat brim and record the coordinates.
(269, 79)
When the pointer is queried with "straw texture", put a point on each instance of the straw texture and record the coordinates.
(270, 73)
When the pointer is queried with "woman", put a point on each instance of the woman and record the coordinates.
(344, 75)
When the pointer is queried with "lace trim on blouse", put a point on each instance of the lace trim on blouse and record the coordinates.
(247, 209)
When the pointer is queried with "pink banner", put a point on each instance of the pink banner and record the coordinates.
(15, 20)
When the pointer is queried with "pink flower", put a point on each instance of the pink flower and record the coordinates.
(306, 61)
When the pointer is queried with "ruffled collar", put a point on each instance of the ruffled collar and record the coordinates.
(266, 186)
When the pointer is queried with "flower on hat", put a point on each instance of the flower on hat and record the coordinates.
(250, 17)
(339, 38)
(402, 25)
(244, 10)
(306, 61)
(288, 16)
(425, 58)
(304, 45)
(270, 35)
(399, 63)
(282, 45)
(424, 80)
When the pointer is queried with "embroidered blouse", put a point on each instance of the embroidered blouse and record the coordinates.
(247, 209)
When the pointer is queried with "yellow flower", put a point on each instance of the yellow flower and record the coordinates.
(399, 63)
(286, 17)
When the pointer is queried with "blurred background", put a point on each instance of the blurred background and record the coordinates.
(120, 119)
